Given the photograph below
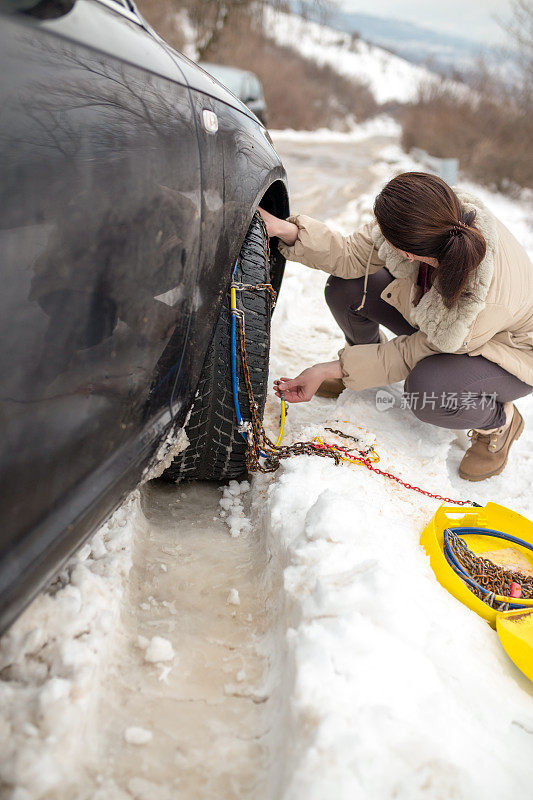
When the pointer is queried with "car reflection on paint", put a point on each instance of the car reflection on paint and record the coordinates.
(122, 214)
(244, 84)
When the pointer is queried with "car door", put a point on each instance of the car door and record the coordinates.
(238, 164)
(99, 234)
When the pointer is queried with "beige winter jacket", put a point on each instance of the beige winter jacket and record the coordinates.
(492, 318)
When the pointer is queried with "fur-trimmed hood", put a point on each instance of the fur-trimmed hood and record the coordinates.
(447, 328)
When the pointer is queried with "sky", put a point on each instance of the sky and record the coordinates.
(473, 19)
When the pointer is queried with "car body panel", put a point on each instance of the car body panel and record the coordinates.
(201, 81)
(121, 218)
(91, 178)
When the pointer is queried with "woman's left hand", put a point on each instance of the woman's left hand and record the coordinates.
(302, 388)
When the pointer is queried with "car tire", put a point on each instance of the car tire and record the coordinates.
(216, 449)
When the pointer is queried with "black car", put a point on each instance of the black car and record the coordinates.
(129, 181)
(244, 84)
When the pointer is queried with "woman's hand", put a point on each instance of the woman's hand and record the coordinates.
(286, 231)
(302, 388)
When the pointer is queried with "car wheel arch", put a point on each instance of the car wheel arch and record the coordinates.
(276, 200)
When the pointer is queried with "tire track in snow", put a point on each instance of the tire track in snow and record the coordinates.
(211, 709)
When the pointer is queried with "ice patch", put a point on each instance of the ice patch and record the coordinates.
(138, 736)
(233, 598)
(159, 649)
(232, 509)
(175, 442)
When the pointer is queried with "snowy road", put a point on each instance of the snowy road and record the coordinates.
(325, 176)
(209, 707)
(311, 654)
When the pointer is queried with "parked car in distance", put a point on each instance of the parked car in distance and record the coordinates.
(244, 85)
(129, 183)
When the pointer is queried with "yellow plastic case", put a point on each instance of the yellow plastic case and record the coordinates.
(515, 628)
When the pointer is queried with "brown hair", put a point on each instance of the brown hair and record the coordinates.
(420, 214)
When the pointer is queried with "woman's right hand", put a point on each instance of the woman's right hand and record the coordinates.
(286, 231)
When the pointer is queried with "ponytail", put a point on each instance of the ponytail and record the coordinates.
(461, 254)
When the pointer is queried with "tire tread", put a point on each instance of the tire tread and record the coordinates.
(217, 450)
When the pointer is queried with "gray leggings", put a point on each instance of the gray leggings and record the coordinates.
(449, 390)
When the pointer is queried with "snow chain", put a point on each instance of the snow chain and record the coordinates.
(259, 446)
(495, 579)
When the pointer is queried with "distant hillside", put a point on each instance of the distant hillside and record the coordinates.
(390, 78)
(416, 43)
(411, 41)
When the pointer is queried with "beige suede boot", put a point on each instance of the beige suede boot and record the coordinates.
(488, 453)
(331, 388)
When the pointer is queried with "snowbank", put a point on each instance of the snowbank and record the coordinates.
(50, 661)
(399, 690)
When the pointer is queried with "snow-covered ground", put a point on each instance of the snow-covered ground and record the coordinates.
(385, 685)
(399, 690)
(51, 662)
(389, 77)
(381, 125)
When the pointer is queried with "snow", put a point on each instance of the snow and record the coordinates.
(233, 597)
(232, 508)
(159, 649)
(398, 689)
(381, 125)
(389, 77)
(391, 687)
(141, 789)
(137, 736)
(175, 442)
(50, 660)
(516, 215)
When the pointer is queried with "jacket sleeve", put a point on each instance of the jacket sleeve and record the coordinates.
(365, 366)
(319, 247)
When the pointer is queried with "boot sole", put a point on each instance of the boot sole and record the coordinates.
(478, 478)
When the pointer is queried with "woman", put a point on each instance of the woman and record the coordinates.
(456, 289)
